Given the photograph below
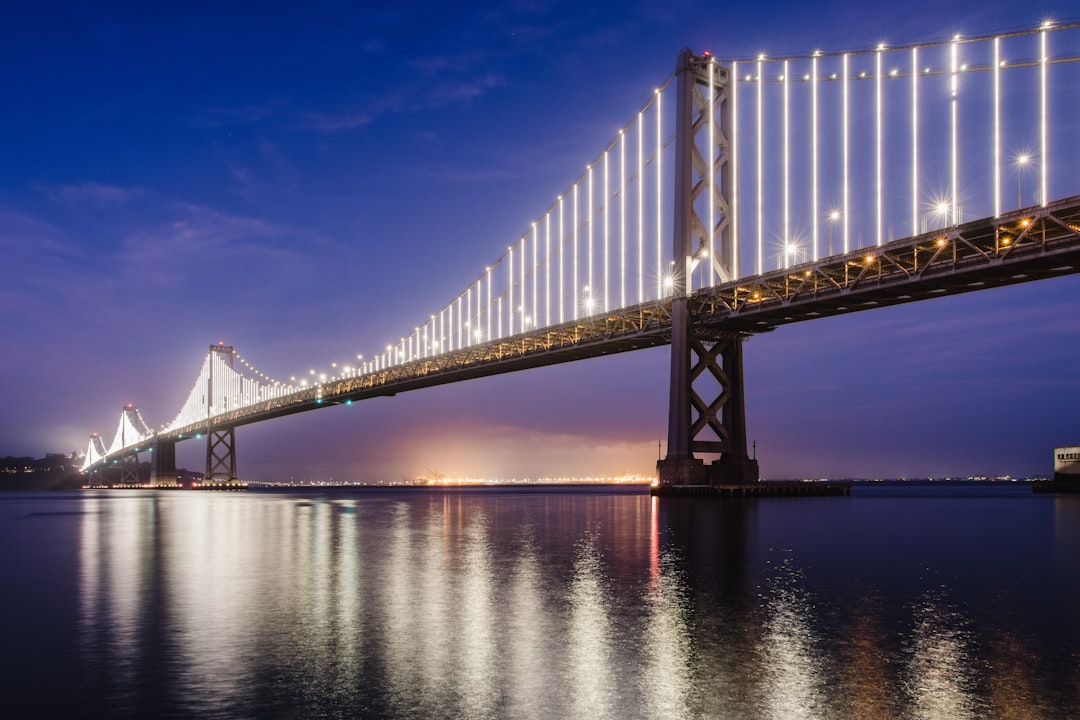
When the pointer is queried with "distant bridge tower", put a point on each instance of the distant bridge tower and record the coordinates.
(715, 423)
(129, 461)
(220, 443)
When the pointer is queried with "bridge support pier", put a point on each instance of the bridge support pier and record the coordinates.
(129, 469)
(163, 465)
(713, 423)
(221, 454)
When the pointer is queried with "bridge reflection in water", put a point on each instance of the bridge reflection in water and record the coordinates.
(541, 604)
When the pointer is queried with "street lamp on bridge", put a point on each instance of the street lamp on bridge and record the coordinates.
(939, 209)
(833, 217)
(1021, 162)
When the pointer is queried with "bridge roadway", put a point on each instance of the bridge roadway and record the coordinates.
(1020, 246)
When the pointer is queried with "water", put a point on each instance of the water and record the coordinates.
(941, 602)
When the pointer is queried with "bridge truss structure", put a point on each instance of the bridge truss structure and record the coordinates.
(711, 217)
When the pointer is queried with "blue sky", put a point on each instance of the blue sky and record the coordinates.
(304, 181)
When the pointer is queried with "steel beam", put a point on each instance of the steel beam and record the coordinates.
(221, 454)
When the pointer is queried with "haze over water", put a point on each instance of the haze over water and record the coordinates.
(912, 602)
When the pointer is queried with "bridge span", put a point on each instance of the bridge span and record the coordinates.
(600, 272)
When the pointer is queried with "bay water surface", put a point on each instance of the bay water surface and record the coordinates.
(540, 602)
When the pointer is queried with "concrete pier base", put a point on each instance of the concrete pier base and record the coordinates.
(1071, 485)
(695, 471)
(681, 471)
(754, 490)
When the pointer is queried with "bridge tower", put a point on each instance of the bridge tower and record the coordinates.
(220, 442)
(706, 411)
(129, 462)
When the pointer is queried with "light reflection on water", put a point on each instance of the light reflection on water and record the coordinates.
(490, 605)
(589, 640)
(791, 665)
(939, 677)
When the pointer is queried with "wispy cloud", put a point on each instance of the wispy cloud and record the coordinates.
(177, 251)
(336, 121)
(465, 90)
(92, 194)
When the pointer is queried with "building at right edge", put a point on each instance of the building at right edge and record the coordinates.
(1067, 463)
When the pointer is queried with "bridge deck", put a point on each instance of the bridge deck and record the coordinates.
(1021, 246)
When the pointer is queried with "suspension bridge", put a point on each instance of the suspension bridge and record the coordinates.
(743, 195)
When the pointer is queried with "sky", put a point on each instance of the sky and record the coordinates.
(302, 181)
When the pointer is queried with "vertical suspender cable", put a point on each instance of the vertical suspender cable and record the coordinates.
(844, 114)
(814, 154)
(997, 127)
(914, 141)
(1044, 190)
(733, 141)
(760, 191)
(879, 180)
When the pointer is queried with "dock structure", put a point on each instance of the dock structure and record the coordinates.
(764, 488)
